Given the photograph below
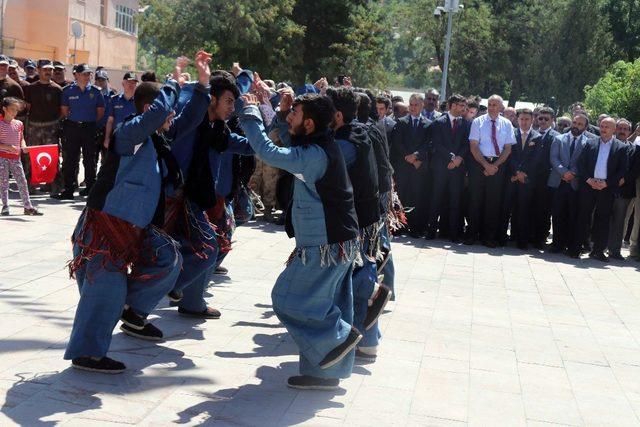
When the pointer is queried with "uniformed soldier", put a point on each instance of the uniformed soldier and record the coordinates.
(83, 106)
(43, 105)
(58, 74)
(8, 87)
(30, 68)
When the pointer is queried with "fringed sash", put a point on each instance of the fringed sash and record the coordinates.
(180, 220)
(348, 251)
(124, 246)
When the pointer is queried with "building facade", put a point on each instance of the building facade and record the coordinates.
(42, 29)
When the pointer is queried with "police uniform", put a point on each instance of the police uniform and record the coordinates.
(120, 108)
(107, 94)
(79, 132)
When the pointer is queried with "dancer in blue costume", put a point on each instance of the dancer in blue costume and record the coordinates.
(369, 296)
(312, 297)
(199, 159)
(122, 258)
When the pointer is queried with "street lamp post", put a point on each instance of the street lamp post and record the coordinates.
(450, 7)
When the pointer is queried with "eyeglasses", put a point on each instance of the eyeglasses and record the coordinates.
(429, 98)
(543, 119)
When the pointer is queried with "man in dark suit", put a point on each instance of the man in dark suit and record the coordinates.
(385, 122)
(563, 181)
(627, 192)
(602, 164)
(541, 215)
(522, 171)
(409, 157)
(449, 138)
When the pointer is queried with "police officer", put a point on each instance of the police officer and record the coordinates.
(120, 106)
(30, 68)
(83, 106)
(58, 74)
(101, 80)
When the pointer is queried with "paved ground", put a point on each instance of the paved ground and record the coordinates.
(499, 338)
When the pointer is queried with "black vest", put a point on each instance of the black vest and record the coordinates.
(363, 174)
(334, 189)
(381, 151)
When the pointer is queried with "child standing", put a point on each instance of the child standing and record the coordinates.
(11, 143)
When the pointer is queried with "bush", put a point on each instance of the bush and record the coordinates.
(617, 93)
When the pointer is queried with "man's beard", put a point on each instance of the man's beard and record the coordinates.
(297, 130)
(575, 131)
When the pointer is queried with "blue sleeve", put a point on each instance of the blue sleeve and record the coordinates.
(244, 80)
(282, 127)
(348, 152)
(65, 98)
(239, 145)
(137, 130)
(192, 113)
(308, 163)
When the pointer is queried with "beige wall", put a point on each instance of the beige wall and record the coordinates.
(34, 31)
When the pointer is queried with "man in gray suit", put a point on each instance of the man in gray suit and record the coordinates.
(565, 151)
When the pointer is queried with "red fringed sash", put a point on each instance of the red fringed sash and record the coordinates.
(222, 224)
(121, 244)
(181, 221)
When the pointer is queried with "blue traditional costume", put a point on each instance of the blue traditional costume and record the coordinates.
(313, 297)
(121, 255)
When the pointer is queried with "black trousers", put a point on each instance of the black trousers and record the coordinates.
(565, 213)
(541, 216)
(485, 202)
(446, 201)
(77, 138)
(596, 205)
(413, 191)
(517, 208)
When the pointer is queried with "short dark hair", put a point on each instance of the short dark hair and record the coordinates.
(383, 100)
(583, 115)
(397, 98)
(472, 103)
(145, 93)
(364, 107)
(344, 100)
(148, 76)
(222, 82)
(318, 108)
(521, 111)
(456, 98)
(547, 110)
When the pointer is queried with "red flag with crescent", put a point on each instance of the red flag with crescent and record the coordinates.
(44, 163)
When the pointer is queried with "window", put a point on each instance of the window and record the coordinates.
(103, 12)
(124, 19)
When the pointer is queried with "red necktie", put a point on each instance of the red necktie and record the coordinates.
(454, 126)
(494, 138)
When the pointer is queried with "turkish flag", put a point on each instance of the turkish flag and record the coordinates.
(44, 163)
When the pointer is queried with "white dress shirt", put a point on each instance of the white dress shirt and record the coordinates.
(481, 132)
(604, 149)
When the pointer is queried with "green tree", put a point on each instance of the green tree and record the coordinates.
(617, 92)
(259, 33)
(624, 18)
(365, 50)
